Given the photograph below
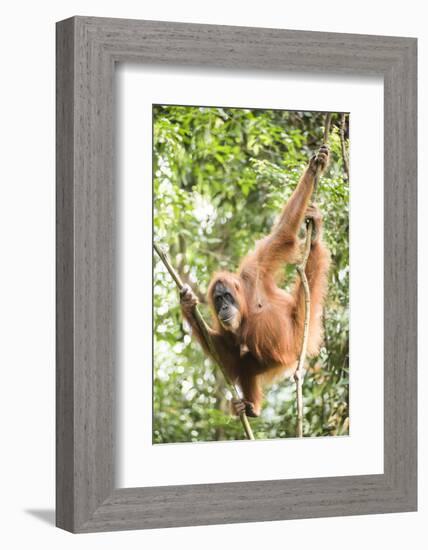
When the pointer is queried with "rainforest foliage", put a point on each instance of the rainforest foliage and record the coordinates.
(221, 177)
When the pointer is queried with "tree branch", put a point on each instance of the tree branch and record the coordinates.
(301, 269)
(343, 145)
(204, 330)
(298, 374)
(327, 127)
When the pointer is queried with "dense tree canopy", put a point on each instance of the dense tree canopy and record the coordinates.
(221, 177)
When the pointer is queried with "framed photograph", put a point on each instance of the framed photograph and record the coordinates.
(236, 274)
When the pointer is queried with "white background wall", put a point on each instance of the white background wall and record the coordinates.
(27, 271)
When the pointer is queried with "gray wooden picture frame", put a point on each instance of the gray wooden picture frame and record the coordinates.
(87, 51)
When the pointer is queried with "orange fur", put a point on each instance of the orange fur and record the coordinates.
(267, 342)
